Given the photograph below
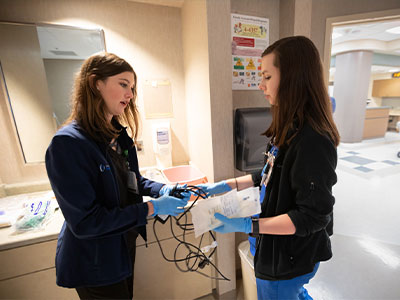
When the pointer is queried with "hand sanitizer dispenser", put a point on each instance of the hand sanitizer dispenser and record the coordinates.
(162, 144)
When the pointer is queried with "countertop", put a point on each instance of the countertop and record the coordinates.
(13, 206)
(379, 107)
(394, 112)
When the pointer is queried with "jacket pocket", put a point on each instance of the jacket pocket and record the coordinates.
(282, 258)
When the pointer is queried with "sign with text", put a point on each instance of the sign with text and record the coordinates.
(250, 37)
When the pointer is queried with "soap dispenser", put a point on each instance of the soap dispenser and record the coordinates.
(162, 144)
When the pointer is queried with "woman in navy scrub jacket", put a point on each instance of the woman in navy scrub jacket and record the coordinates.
(93, 170)
(296, 217)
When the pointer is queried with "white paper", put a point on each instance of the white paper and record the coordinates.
(232, 204)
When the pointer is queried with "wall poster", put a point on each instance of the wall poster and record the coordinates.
(250, 37)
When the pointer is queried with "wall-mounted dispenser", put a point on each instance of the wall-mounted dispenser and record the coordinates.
(250, 123)
(162, 144)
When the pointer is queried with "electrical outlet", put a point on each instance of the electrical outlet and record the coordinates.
(139, 146)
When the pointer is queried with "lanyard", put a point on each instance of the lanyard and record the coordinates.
(267, 170)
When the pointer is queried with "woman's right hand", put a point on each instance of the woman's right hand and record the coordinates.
(168, 205)
(215, 188)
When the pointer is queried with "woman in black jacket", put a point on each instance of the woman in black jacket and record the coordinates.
(296, 218)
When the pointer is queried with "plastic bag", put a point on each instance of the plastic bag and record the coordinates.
(35, 215)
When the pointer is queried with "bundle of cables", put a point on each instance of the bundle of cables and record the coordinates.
(195, 257)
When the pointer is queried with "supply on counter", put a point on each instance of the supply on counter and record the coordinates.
(5, 220)
(36, 214)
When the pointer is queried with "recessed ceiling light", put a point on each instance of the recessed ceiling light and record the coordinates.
(394, 30)
(335, 35)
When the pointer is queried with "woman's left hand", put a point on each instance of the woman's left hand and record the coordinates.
(233, 224)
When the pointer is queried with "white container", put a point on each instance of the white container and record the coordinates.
(248, 277)
(162, 144)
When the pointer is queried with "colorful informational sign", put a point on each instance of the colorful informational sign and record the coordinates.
(250, 37)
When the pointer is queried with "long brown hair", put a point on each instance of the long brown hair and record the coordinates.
(88, 106)
(302, 96)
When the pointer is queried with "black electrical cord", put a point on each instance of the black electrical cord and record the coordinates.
(195, 259)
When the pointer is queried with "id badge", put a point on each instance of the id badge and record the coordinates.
(263, 174)
(132, 182)
(268, 169)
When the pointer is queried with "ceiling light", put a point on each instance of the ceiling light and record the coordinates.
(335, 35)
(394, 30)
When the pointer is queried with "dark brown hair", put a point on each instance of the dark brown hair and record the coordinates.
(302, 96)
(88, 106)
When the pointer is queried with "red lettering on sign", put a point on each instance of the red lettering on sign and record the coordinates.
(245, 42)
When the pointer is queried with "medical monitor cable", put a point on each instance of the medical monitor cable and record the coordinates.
(196, 258)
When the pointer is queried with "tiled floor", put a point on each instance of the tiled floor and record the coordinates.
(375, 157)
(367, 203)
(366, 242)
(360, 269)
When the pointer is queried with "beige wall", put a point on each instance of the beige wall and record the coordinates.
(302, 17)
(197, 85)
(147, 36)
(27, 89)
(286, 18)
(219, 49)
(295, 17)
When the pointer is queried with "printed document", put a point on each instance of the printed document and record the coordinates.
(233, 204)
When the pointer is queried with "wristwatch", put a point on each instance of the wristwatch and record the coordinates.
(256, 227)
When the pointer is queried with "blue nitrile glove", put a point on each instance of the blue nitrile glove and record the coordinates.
(215, 188)
(233, 224)
(167, 189)
(168, 205)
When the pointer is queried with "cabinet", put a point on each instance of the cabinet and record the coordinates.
(376, 122)
(28, 272)
(155, 278)
(386, 88)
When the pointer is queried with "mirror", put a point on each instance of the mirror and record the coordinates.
(37, 64)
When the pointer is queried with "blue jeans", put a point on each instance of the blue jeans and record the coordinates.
(291, 289)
